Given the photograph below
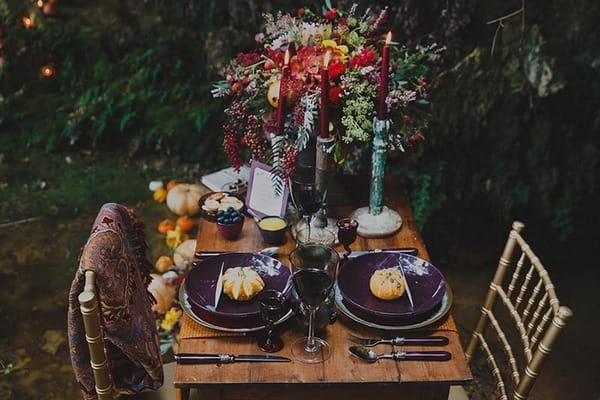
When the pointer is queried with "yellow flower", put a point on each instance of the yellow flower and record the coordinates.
(343, 49)
(170, 319)
(176, 237)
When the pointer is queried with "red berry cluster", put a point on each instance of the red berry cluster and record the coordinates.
(290, 156)
(242, 130)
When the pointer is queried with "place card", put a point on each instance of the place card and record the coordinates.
(261, 197)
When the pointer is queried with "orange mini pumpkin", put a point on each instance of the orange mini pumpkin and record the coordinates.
(165, 225)
(171, 184)
(186, 223)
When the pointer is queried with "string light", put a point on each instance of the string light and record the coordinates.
(40, 3)
(27, 21)
(48, 70)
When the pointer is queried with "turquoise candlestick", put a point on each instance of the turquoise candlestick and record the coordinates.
(377, 220)
(380, 131)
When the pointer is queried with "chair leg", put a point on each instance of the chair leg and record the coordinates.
(182, 393)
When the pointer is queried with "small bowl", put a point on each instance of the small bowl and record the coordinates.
(230, 231)
(272, 228)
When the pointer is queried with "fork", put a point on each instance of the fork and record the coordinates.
(407, 341)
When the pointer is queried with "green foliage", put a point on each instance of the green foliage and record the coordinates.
(514, 133)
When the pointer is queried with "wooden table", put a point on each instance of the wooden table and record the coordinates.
(340, 377)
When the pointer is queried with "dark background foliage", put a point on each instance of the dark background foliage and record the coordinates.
(516, 102)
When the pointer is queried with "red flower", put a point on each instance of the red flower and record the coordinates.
(331, 14)
(301, 11)
(335, 94)
(364, 58)
(336, 69)
(247, 59)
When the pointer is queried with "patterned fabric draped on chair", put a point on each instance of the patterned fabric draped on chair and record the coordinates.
(116, 252)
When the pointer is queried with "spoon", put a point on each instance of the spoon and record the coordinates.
(369, 355)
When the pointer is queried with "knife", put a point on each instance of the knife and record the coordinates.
(406, 250)
(269, 251)
(194, 358)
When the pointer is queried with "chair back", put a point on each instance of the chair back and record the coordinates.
(94, 338)
(522, 289)
(112, 333)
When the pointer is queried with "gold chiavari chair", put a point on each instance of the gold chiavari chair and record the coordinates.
(520, 320)
(93, 331)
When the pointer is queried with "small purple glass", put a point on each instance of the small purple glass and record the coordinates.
(272, 303)
(347, 233)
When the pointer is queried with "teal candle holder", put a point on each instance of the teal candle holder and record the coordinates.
(377, 220)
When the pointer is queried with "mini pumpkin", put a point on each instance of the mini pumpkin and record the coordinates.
(186, 223)
(163, 263)
(183, 199)
(171, 184)
(163, 293)
(184, 254)
(387, 284)
(241, 283)
(165, 225)
(160, 195)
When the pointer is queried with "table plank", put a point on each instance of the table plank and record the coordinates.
(337, 377)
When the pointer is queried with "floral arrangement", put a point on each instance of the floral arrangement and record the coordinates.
(353, 42)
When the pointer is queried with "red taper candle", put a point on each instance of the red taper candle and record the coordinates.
(285, 73)
(324, 120)
(383, 82)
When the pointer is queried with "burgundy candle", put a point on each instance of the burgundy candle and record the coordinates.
(383, 84)
(324, 120)
(285, 72)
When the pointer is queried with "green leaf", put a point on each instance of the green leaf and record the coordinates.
(129, 115)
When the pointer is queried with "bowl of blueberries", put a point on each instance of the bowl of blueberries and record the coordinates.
(230, 222)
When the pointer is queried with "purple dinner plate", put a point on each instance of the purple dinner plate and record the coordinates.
(200, 287)
(425, 283)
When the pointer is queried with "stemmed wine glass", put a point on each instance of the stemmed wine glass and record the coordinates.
(314, 267)
(272, 303)
(347, 228)
(306, 195)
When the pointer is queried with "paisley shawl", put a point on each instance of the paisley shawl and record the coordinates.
(116, 252)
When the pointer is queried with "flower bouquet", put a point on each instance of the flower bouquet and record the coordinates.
(260, 126)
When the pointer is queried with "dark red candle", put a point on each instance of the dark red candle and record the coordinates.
(383, 83)
(324, 120)
(285, 73)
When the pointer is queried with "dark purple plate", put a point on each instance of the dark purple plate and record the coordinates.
(200, 287)
(425, 285)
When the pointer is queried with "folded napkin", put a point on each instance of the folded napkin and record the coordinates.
(116, 252)
(190, 329)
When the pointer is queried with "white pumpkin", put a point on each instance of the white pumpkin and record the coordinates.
(163, 293)
(184, 254)
(183, 199)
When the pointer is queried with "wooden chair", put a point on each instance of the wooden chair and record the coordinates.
(523, 289)
(94, 337)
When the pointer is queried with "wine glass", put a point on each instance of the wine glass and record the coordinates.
(314, 267)
(272, 303)
(347, 228)
(306, 195)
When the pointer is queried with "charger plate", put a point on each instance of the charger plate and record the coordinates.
(187, 309)
(366, 320)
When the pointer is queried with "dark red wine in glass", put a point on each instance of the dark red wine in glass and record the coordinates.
(272, 306)
(347, 228)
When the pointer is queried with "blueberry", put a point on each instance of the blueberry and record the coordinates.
(220, 213)
(227, 221)
(230, 210)
(237, 219)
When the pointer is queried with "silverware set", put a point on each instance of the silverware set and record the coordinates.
(366, 354)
